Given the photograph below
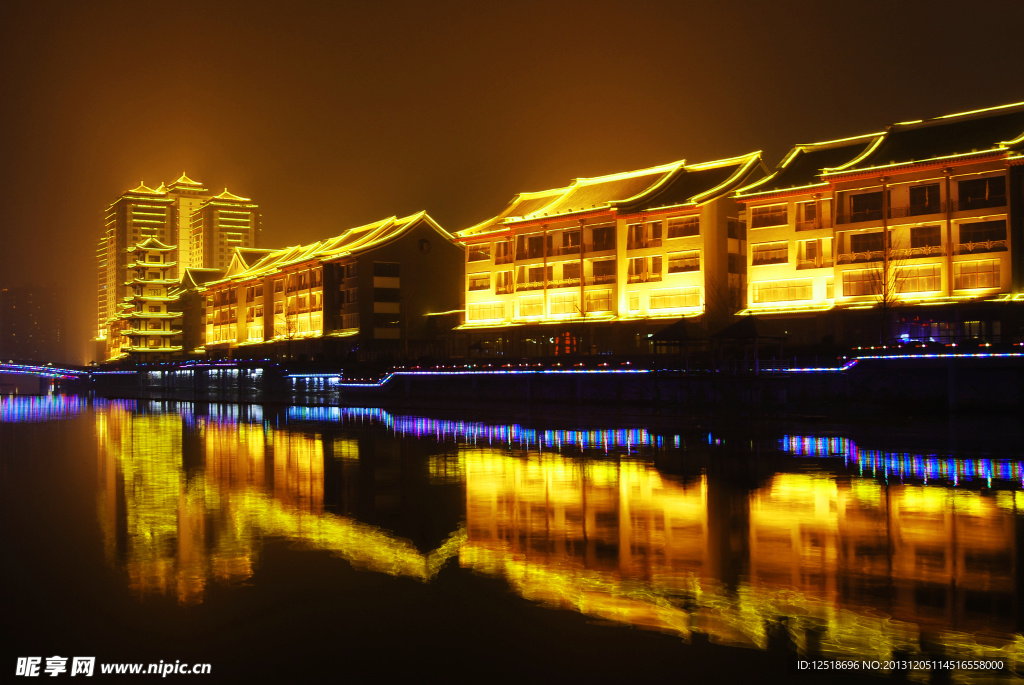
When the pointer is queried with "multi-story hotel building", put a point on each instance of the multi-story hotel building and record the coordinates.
(363, 292)
(166, 214)
(906, 233)
(586, 267)
(148, 325)
(220, 224)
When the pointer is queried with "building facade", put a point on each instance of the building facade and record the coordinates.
(170, 214)
(588, 267)
(908, 233)
(373, 291)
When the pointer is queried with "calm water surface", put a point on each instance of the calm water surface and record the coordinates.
(309, 543)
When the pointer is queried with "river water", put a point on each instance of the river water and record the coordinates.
(319, 542)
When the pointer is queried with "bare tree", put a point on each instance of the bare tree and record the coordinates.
(888, 279)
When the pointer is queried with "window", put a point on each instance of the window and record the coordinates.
(565, 303)
(925, 236)
(861, 282)
(771, 215)
(599, 300)
(784, 291)
(571, 271)
(154, 309)
(503, 282)
(250, 314)
(351, 270)
(279, 307)
(153, 258)
(634, 300)
(279, 285)
(983, 232)
(389, 294)
(978, 193)
(604, 238)
(737, 230)
(352, 295)
(535, 246)
(485, 311)
(480, 281)
(655, 230)
(925, 199)
(866, 207)
(604, 271)
(867, 242)
(480, 252)
(385, 269)
(683, 226)
(830, 288)
(919, 279)
(983, 273)
(771, 253)
(680, 262)
(259, 311)
(675, 298)
(531, 305)
(154, 275)
(249, 294)
(502, 252)
(259, 290)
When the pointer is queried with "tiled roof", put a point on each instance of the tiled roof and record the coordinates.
(352, 241)
(803, 165)
(955, 134)
(698, 183)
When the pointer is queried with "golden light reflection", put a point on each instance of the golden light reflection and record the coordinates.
(851, 567)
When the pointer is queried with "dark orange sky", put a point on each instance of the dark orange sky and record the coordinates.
(330, 115)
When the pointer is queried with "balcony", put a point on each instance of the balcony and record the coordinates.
(643, 278)
(814, 224)
(600, 280)
(860, 217)
(564, 283)
(641, 244)
(504, 258)
(566, 249)
(857, 257)
(923, 210)
(979, 203)
(814, 264)
(478, 256)
(600, 247)
(986, 246)
(503, 289)
(917, 252)
(530, 285)
(779, 218)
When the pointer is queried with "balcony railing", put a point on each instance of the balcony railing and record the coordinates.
(567, 249)
(986, 246)
(814, 224)
(530, 285)
(915, 252)
(641, 244)
(506, 258)
(923, 210)
(564, 283)
(643, 278)
(866, 256)
(475, 256)
(600, 280)
(859, 217)
(600, 247)
(979, 203)
(503, 289)
(767, 220)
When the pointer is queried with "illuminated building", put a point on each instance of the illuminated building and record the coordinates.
(32, 324)
(365, 291)
(945, 191)
(220, 224)
(586, 266)
(166, 213)
(148, 326)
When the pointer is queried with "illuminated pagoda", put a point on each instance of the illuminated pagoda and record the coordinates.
(373, 290)
(905, 233)
(595, 265)
(148, 327)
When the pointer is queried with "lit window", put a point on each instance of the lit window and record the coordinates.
(784, 291)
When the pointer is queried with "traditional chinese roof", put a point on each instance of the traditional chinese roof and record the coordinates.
(996, 130)
(194, 278)
(230, 196)
(184, 180)
(144, 189)
(694, 184)
(152, 244)
(352, 241)
(802, 167)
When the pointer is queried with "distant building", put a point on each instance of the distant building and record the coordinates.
(589, 267)
(372, 291)
(182, 215)
(919, 225)
(33, 324)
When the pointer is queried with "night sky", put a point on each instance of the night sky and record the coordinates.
(331, 115)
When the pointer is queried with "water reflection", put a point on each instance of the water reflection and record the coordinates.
(844, 565)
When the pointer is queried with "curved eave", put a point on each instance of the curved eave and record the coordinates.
(781, 192)
(744, 170)
(964, 157)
